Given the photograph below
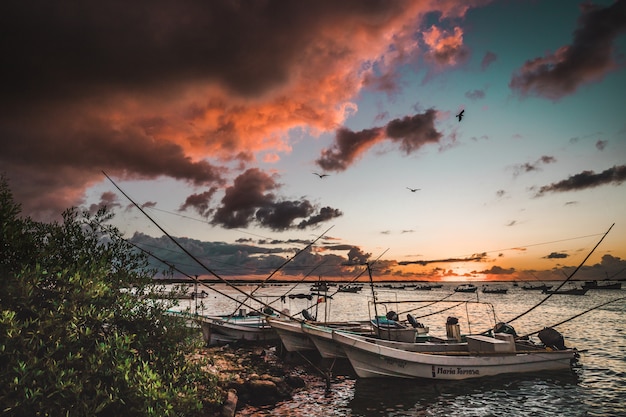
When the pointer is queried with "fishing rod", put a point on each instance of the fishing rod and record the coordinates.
(281, 266)
(428, 305)
(185, 250)
(353, 279)
(563, 283)
(578, 315)
(194, 279)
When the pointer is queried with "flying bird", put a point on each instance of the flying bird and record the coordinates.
(321, 175)
(413, 189)
(460, 115)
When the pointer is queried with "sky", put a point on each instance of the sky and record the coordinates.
(326, 133)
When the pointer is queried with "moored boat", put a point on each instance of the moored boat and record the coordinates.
(569, 291)
(494, 290)
(466, 288)
(542, 287)
(484, 356)
(291, 334)
(217, 330)
(595, 285)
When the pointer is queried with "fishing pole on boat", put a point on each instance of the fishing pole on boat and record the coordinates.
(428, 305)
(578, 315)
(210, 271)
(563, 283)
(352, 280)
(193, 278)
(282, 265)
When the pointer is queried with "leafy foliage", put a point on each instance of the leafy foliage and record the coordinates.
(81, 333)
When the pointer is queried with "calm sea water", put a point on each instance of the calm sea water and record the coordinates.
(597, 387)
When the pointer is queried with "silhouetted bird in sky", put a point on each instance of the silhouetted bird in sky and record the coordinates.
(460, 115)
(413, 189)
(320, 175)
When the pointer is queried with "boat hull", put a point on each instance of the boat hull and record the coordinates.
(291, 335)
(374, 361)
(219, 330)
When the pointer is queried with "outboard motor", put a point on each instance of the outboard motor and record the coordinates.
(452, 320)
(505, 328)
(307, 315)
(416, 324)
(392, 315)
(551, 338)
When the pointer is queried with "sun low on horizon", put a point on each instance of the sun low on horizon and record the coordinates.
(447, 141)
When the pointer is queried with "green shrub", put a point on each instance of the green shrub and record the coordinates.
(80, 333)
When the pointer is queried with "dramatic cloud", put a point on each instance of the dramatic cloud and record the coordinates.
(250, 199)
(586, 179)
(182, 89)
(589, 58)
(410, 132)
(199, 202)
(107, 199)
(446, 48)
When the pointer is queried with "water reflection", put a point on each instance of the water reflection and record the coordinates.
(506, 395)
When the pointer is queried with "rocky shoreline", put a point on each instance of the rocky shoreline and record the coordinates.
(253, 375)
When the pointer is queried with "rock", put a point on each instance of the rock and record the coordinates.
(230, 405)
(295, 381)
(262, 392)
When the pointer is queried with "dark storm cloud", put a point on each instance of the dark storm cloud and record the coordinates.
(108, 199)
(250, 199)
(586, 179)
(126, 87)
(199, 202)
(93, 46)
(589, 58)
(410, 132)
(52, 160)
(347, 148)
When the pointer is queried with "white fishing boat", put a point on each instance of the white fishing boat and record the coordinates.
(291, 334)
(482, 356)
(322, 336)
(218, 330)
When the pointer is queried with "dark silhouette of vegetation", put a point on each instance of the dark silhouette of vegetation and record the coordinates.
(80, 333)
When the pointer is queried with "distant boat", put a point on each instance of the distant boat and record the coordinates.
(466, 288)
(570, 291)
(494, 290)
(424, 287)
(349, 288)
(542, 287)
(594, 285)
